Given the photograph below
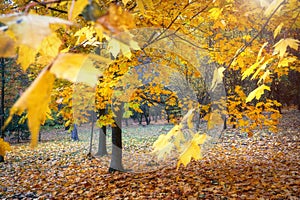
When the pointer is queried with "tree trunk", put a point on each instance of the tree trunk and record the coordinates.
(92, 132)
(102, 150)
(74, 133)
(2, 102)
(116, 157)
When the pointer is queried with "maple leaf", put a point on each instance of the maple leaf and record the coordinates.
(162, 145)
(192, 150)
(76, 8)
(77, 68)
(285, 62)
(251, 69)
(30, 29)
(35, 100)
(264, 76)
(26, 56)
(49, 49)
(116, 46)
(257, 92)
(282, 45)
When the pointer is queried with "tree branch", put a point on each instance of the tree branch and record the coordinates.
(242, 49)
(44, 4)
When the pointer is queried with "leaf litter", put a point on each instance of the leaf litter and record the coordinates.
(265, 166)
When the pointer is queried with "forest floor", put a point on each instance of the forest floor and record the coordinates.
(264, 166)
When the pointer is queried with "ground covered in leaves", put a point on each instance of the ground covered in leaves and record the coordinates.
(265, 166)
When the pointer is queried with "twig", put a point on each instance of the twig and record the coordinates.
(44, 4)
(242, 49)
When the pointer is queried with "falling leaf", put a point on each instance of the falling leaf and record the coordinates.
(114, 47)
(26, 56)
(75, 68)
(30, 29)
(35, 100)
(192, 150)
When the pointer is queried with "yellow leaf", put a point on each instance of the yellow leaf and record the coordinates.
(35, 100)
(272, 7)
(257, 92)
(30, 29)
(264, 76)
(164, 139)
(77, 9)
(251, 69)
(125, 2)
(286, 61)
(125, 50)
(282, 45)
(134, 45)
(165, 150)
(218, 77)
(215, 13)
(190, 121)
(278, 29)
(49, 49)
(262, 67)
(75, 68)
(260, 51)
(4, 147)
(114, 47)
(192, 150)
(149, 3)
(140, 5)
(7, 48)
(26, 56)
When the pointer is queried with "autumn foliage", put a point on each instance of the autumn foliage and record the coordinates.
(239, 48)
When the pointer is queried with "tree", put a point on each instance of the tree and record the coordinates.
(102, 150)
(116, 156)
(225, 33)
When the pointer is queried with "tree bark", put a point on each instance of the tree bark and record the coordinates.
(92, 132)
(102, 150)
(116, 157)
(2, 102)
